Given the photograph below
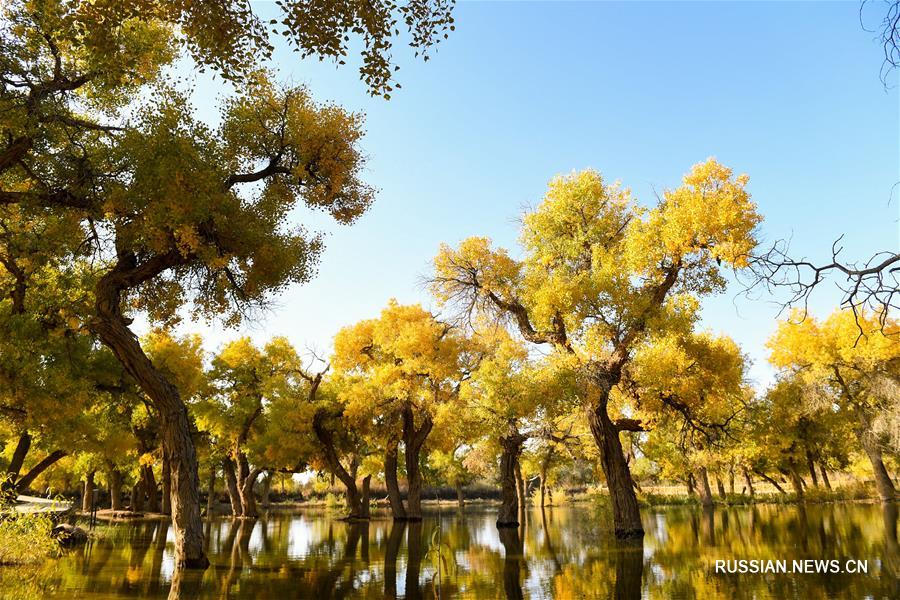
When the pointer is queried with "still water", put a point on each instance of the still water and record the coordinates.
(562, 552)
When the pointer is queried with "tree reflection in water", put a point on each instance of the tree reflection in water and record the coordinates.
(560, 552)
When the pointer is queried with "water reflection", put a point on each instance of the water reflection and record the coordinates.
(557, 552)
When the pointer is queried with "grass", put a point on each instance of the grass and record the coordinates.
(850, 492)
(26, 538)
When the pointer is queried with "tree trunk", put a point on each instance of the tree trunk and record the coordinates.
(175, 425)
(883, 482)
(148, 487)
(137, 497)
(413, 440)
(460, 495)
(520, 488)
(690, 485)
(796, 480)
(825, 480)
(706, 499)
(231, 487)
(398, 511)
(731, 480)
(770, 480)
(811, 465)
(211, 491)
(543, 490)
(511, 445)
(87, 497)
(326, 438)
(748, 481)
(35, 471)
(720, 487)
(365, 510)
(266, 490)
(17, 460)
(166, 500)
(626, 513)
(246, 479)
(115, 489)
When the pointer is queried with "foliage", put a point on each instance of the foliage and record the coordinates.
(26, 538)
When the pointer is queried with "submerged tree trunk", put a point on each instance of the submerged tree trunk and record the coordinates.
(398, 511)
(413, 440)
(211, 491)
(511, 445)
(520, 487)
(626, 513)
(460, 495)
(825, 480)
(365, 497)
(748, 481)
(175, 425)
(326, 438)
(246, 479)
(231, 486)
(703, 488)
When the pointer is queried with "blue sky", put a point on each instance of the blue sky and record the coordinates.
(786, 92)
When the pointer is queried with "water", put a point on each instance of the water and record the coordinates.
(564, 552)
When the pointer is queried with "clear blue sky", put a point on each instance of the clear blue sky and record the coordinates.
(786, 92)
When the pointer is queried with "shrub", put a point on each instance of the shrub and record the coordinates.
(26, 538)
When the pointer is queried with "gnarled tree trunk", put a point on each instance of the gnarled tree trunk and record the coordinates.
(520, 489)
(883, 483)
(811, 465)
(17, 460)
(246, 479)
(148, 489)
(626, 512)
(511, 445)
(748, 481)
(825, 479)
(231, 486)
(48, 461)
(329, 450)
(398, 511)
(720, 487)
(175, 425)
(413, 440)
(796, 480)
(706, 499)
